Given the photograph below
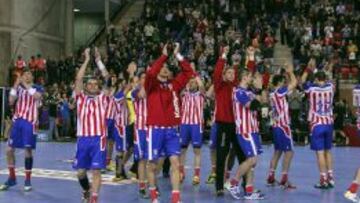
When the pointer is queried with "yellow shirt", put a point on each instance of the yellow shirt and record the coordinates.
(131, 108)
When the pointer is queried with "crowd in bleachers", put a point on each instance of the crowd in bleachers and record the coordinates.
(321, 34)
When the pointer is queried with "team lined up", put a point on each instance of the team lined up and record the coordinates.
(169, 116)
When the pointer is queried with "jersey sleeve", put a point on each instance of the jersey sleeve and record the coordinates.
(307, 86)
(39, 89)
(119, 96)
(283, 91)
(76, 96)
(242, 97)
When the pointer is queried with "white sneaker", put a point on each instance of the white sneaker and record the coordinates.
(234, 191)
(227, 185)
(254, 196)
(352, 196)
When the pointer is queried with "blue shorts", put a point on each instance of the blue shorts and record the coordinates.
(90, 153)
(282, 141)
(162, 142)
(190, 133)
(213, 132)
(250, 145)
(321, 137)
(22, 135)
(110, 123)
(140, 144)
(122, 141)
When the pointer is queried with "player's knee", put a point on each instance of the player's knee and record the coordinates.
(10, 151)
(252, 161)
(175, 164)
(96, 173)
(81, 174)
(151, 166)
(197, 150)
(28, 152)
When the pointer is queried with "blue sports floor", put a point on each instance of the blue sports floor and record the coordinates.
(53, 179)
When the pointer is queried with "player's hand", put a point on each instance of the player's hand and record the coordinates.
(177, 48)
(257, 81)
(164, 50)
(226, 50)
(87, 54)
(132, 67)
(18, 80)
(289, 68)
(97, 54)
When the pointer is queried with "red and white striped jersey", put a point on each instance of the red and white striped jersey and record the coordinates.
(245, 119)
(320, 103)
(356, 103)
(26, 105)
(141, 113)
(121, 113)
(280, 107)
(192, 108)
(110, 111)
(91, 114)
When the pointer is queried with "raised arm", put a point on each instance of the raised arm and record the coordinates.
(293, 81)
(13, 91)
(187, 72)
(81, 73)
(219, 67)
(153, 71)
(101, 65)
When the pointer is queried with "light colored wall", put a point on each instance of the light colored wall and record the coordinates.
(85, 25)
(17, 17)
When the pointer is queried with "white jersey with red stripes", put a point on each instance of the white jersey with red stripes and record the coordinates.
(321, 103)
(91, 114)
(110, 111)
(26, 105)
(245, 119)
(141, 113)
(121, 113)
(280, 107)
(192, 108)
(356, 103)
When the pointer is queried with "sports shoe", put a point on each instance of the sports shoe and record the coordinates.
(155, 201)
(227, 185)
(254, 196)
(27, 186)
(287, 185)
(235, 192)
(85, 197)
(351, 196)
(9, 183)
(211, 178)
(196, 180)
(322, 186)
(93, 199)
(143, 194)
(331, 182)
(157, 191)
(110, 166)
(271, 181)
(119, 178)
(219, 193)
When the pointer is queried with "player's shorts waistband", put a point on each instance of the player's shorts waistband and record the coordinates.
(162, 127)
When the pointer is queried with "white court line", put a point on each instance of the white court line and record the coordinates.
(65, 175)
